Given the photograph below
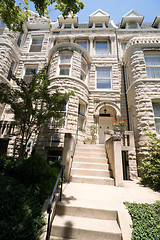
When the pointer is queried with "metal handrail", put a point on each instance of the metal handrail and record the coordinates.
(49, 208)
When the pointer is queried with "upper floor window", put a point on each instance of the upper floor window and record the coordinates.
(103, 78)
(81, 115)
(83, 44)
(101, 47)
(124, 44)
(36, 44)
(30, 70)
(12, 69)
(132, 25)
(153, 66)
(65, 62)
(156, 110)
(2, 26)
(20, 40)
(84, 69)
(98, 25)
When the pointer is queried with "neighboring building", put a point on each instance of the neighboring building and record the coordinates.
(113, 69)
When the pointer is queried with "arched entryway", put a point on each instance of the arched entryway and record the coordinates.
(106, 114)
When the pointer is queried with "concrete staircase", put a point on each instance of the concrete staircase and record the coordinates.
(72, 222)
(81, 219)
(90, 165)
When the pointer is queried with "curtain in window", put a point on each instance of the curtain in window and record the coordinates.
(153, 66)
(104, 78)
(102, 48)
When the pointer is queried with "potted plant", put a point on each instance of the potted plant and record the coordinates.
(93, 131)
(119, 125)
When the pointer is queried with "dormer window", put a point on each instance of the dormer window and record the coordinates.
(98, 25)
(132, 25)
(67, 25)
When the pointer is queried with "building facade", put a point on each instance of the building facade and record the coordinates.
(113, 70)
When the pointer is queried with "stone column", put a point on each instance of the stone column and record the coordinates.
(91, 39)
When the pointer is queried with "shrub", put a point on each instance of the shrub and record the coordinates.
(20, 217)
(145, 220)
(150, 166)
(38, 174)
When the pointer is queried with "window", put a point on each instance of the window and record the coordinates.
(67, 25)
(83, 44)
(153, 66)
(156, 110)
(29, 72)
(132, 25)
(84, 69)
(65, 63)
(124, 46)
(81, 115)
(2, 26)
(12, 69)
(98, 25)
(101, 47)
(20, 40)
(36, 44)
(104, 78)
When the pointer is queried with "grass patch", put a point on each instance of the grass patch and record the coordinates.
(145, 220)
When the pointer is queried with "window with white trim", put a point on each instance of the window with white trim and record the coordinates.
(67, 25)
(30, 70)
(84, 69)
(103, 78)
(36, 44)
(83, 44)
(65, 62)
(81, 115)
(101, 47)
(156, 110)
(20, 40)
(153, 66)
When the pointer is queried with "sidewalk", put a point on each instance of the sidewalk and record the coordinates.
(110, 198)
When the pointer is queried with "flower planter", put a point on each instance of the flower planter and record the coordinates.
(119, 128)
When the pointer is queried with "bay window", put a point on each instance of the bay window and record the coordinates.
(153, 66)
(103, 78)
(83, 69)
(65, 63)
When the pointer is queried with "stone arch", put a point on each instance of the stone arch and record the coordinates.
(111, 105)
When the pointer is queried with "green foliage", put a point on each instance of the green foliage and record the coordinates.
(36, 173)
(14, 15)
(150, 166)
(20, 217)
(93, 131)
(32, 104)
(145, 220)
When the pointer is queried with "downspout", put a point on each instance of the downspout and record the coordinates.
(124, 80)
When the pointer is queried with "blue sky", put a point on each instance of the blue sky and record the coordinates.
(116, 9)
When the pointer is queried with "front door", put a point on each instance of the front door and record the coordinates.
(104, 124)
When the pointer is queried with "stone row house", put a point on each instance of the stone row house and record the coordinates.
(113, 69)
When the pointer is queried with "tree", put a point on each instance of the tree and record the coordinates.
(14, 15)
(32, 105)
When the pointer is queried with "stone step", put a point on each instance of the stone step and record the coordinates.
(90, 146)
(92, 180)
(103, 166)
(90, 154)
(90, 150)
(63, 208)
(85, 228)
(90, 172)
(89, 159)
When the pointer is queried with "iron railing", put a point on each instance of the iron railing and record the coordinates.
(52, 198)
(74, 144)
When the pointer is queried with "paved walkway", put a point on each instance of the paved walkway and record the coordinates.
(110, 198)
